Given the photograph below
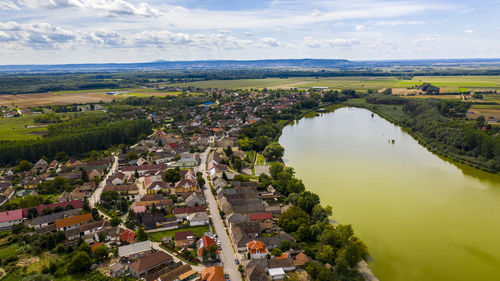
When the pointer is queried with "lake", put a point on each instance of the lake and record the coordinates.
(421, 216)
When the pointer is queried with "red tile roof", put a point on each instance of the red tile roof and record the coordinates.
(204, 242)
(77, 204)
(11, 215)
(127, 236)
(93, 246)
(214, 273)
(261, 216)
(74, 220)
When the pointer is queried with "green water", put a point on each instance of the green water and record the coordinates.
(422, 217)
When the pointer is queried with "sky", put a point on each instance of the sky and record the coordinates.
(101, 31)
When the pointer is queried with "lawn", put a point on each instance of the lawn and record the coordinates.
(197, 230)
(9, 251)
(260, 160)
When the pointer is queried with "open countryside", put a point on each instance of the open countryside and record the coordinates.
(450, 84)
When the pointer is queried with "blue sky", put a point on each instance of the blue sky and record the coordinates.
(79, 31)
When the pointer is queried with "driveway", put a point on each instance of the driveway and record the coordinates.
(227, 255)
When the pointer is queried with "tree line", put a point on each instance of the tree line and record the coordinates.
(74, 141)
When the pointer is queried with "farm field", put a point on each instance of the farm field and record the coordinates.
(79, 97)
(487, 110)
(442, 97)
(358, 83)
(448, 84)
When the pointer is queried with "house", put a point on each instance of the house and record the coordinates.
(187, 183)
(181, 273)
(144, 169)
(184, 238)
(135, 250)
(236, 218)
(219, 182)
(72, 222)
(95, 245)
(300, 260)
(93, 227)
(183, 213)
(95, 174)
(74, 204)
(285, 263)
(154, 220)
(139, 209)
(257, 249)
(195, 199)
(150, 263)
(213, 273)
(116, 270)
(277, 273)
(265, 219)
(127, 189)
(158, 203)
(256, 273)
(44, 221)
(203, 243)
(186, 162)
(9, 218)
(156, 186)
(198, 219)
(118, 179)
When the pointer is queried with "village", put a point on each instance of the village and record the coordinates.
(185, 203)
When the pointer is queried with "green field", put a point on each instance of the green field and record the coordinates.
(197, 230)
(448, 83)
(15, 128)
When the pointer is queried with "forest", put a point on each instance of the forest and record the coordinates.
(443, 127)
(72, 138)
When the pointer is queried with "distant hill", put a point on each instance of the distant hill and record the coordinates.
(202, 64)
(334, 64)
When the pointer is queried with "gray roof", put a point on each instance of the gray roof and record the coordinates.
(135, 248)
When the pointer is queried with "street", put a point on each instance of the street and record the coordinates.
(227, 255)
(97, 192)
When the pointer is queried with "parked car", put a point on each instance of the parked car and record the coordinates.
(236, 261)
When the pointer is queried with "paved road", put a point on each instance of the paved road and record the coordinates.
(97, 192)
(227, 254)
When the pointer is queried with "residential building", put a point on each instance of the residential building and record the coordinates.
(203, 243)
(72, 222)
(184, 238)
(135, 250)
(9, 218)
(213, 273)
(150, 263)
(257, 249)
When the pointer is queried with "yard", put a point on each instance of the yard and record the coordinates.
(197, 230)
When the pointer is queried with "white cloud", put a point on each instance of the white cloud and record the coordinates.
(269, 42)
(331, 43)
(9, 5)
(468, 31)
(109, 7)
(360, 27)
(396, 23)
